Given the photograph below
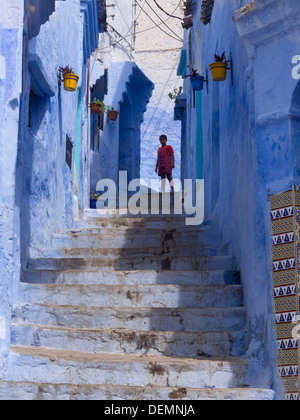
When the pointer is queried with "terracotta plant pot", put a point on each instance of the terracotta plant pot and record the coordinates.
(95, 108)
(70, 82)
(113, 115)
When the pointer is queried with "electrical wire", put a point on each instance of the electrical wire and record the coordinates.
(122, 36)
(156, 25)
(112, 47)
(105, 48)
(122, 15)
(163, 21)
(172, 16)
(138, 32)
(132, 26)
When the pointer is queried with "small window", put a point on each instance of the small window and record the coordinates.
(69, 152)
(106, 81)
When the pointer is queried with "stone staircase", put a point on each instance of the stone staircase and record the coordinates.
(130, 308)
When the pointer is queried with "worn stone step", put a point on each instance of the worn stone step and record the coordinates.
(139, 222)
(156, 212)
(55, 392)
(144, 227)
(166, 249)
(110, 238)
(143, 319)
(138, 277)
(154, 296)
(34, 364)
(140, 263)
(159, 343)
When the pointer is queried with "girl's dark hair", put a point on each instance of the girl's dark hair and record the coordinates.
(163, 136)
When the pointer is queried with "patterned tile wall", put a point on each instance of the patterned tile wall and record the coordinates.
(285, 221)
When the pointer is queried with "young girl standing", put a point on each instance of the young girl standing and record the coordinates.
(165, 162)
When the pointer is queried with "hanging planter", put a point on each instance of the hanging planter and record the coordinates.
(218, 71)
(97, 106)
(197, 82)
(69, 77)
(93, 199)
(219, 68)
(178, 112)
(179, 103)
(112, 114)
(70, 82)
(180, 107)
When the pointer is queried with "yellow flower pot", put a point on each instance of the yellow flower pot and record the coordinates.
(70, 82)
(218, 71)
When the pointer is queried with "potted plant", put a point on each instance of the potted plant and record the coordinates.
(219, 68)
(93, 199)
(174, 95)
(112, 114)
(179, 103)
(97, 106)
(196, 80)
(69, 77)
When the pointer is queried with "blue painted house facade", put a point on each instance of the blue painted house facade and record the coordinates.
(242, 136)
(127, 91)
(43, 130)
(47, 134)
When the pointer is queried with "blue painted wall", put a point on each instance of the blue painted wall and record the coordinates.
(37, 186)
(251, 137)
(233, 182)
(10, 89)
(48, 115)
(250, 145)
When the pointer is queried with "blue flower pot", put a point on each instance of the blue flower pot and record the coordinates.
(178, 113)
(197, 82)
(93, 203)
